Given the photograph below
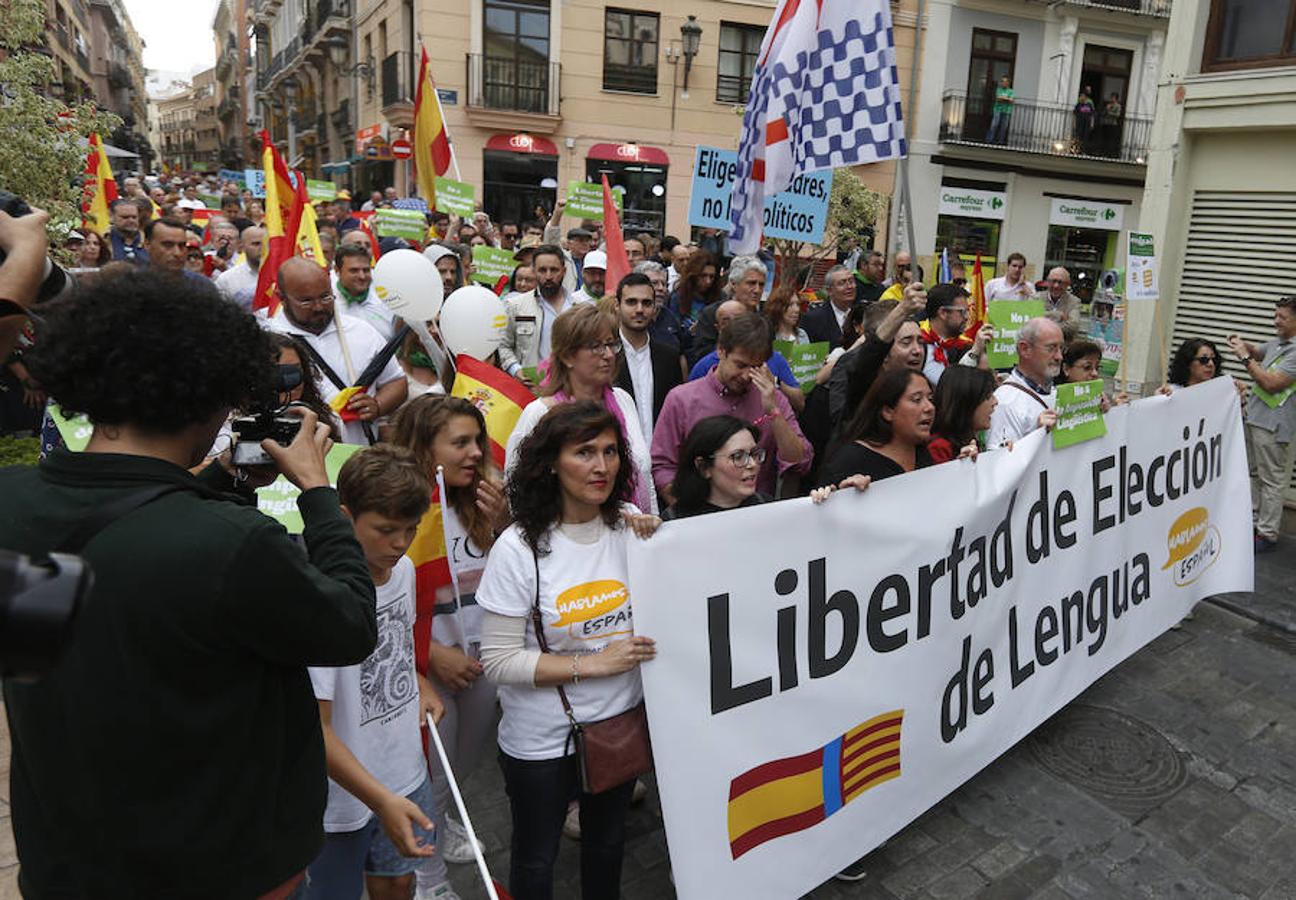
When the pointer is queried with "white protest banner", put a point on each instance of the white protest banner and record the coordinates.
(824, 675)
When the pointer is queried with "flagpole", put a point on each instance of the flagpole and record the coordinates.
(463, 811)
(454, 578)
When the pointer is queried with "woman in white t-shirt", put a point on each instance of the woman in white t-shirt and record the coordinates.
(449, 433)
(586, 352)
(566, 554)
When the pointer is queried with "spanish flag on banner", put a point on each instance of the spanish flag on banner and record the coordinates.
(99, 173)
(431, 140)
(500, 398)
(792, 794)
(279, 197)
(431, 569)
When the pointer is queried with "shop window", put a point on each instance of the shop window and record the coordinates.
(630, 51)
(645, 192)
(739, 48)
(966, 237)
(1083, 252)
(515, 184)
(1246, 34)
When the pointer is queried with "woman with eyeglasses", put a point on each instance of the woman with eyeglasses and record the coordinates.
(585, 354)
(719, 462)
(1196, 361)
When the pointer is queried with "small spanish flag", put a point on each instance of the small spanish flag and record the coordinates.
(792, 794)
(431, 569)
(977, 303)
(98, 173)
(500, 398)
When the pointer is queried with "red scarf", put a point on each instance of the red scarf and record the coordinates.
(942, 346)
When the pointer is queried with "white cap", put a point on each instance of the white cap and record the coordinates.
(595, 259)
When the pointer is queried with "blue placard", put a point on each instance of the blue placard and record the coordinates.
(231, 175)
(797, 214)
(254, 179)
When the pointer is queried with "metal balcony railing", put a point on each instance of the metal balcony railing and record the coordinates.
(511, 83)
(1046, 128)
(1157, 8)
(397, 82)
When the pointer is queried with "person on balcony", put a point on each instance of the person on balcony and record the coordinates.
(1109, 125)
(1001, 120)
(1084, 120)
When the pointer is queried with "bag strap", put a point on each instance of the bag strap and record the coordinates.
(105, 515)
(1026, 390)
(538, 624)
(338, 383)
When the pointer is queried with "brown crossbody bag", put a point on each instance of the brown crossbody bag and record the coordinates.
(609, 752)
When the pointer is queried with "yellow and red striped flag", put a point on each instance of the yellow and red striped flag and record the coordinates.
(278, 211)
(976, 287)
(431, 140)
(500, 398)
(306, 240)
(95, 210)
(795, 793)
(431, 569)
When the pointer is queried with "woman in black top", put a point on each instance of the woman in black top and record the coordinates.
(889, 433)
(719, 461)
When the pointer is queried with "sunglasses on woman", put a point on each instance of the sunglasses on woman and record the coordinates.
(1205, 360)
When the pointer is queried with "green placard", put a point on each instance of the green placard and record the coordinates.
(278, 500)
(211, 201)
(532, 374)
(402, 223)
(454, 197)
(75, 431)
(1007, 317)
(1080, 415)
(805, 360)
(320, 190)
(490, 263)
(585, 200)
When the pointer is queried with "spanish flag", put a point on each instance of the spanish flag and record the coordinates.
(278, 214)
(500, 398)
(977, 302)
(95, 209)
(792, 794)
(431, 569)
(431, 140)
(306, 240)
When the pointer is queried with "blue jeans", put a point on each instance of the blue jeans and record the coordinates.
(339, 871)
(539, 791)
(998, 132)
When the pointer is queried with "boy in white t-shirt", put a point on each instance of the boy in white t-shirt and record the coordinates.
(378, 823)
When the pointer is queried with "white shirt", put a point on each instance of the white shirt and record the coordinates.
(584, 604)
(1000, 289)
(547, 315)
(671, 277)
(1017, 414)
(371, 310)
(362, 343)
(238, 283)
(639, 364)
(456, 623)
(376, 705)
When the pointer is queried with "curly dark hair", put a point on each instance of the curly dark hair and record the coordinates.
(692, 487)
(1187, 352)
(533, 489)
(153, 350)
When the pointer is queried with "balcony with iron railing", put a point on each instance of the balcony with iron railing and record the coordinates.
(1048, 129)
(1159, 9)
(397, 93)
(528, 91)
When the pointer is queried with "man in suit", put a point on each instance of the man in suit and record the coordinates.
(824, 322)
(651, 368)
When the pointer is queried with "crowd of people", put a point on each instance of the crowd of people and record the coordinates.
(266, 694)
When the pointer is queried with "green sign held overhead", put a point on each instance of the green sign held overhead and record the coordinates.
(805, 360)
(1007, 317)
(1080, 415)
(455, 197)
(490, 264)
(585, 200)
(319, 191)
(402, 223)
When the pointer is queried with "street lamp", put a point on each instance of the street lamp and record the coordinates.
(339, 49)
(691, 35)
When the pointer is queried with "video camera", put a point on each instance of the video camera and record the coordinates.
(39, 600)
(250, 431)
(55, 280)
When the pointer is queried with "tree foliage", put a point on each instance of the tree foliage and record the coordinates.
(853, 212)
(42, 139)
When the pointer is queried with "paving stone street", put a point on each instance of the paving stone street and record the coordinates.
(1172, 776)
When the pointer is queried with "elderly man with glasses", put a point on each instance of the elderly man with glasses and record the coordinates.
(1060, 304)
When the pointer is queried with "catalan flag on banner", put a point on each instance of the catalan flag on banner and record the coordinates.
(431, 140)
(98, 172)
(500, 398)
(792, 794)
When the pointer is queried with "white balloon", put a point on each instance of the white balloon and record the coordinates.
(409, 284)
(472, 321)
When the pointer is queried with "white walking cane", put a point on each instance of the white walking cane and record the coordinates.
(463, 811)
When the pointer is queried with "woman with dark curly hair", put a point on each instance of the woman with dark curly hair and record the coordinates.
(564, 562)
(204, 615)
(1196, 361)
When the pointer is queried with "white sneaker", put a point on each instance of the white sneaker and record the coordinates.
(442, 891)
(454, 845)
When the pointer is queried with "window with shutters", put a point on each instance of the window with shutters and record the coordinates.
(1226, 228)
(1248, 34)
(630, 51)
(739, 47)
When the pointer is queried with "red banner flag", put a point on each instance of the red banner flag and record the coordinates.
(618, 264)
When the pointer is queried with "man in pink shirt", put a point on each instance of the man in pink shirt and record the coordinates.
(740, 385)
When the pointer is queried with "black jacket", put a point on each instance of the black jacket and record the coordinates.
(666, 375)
(176, 749)
(820, 324)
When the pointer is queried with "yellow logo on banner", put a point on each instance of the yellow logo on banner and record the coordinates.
(1194, 545)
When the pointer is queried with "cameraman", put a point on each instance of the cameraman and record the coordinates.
(175, 751)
